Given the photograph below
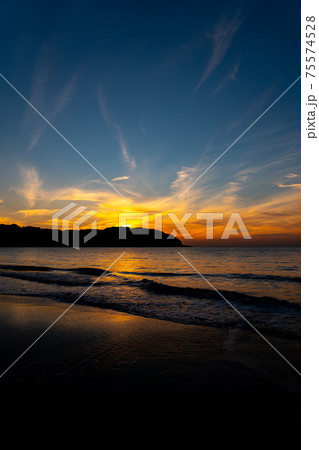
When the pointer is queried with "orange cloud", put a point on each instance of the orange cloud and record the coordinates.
(278, 214)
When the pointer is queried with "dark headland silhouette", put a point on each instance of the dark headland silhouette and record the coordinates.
(16, 236)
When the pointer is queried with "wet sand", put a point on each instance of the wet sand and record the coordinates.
(122, 377)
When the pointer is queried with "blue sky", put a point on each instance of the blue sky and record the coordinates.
(151, 93)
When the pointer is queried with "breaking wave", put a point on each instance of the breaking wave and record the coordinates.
(135, 293)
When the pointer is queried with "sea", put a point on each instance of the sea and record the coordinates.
(233, 287)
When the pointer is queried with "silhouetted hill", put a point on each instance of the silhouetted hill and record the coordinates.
(15, 236)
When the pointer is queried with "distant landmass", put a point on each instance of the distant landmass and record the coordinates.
(16, 236)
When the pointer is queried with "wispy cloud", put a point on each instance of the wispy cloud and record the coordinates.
(126, 156)
(297, 185)
(38, 84)
(128, 159)
(292, 175)
(230, 76)
(65, 95)
(103, 106)
(36, 212)
(141, 125)
(120, 178)
(184, 177)
(36, 136)
(222, 36)
(39, 87)
(31, 186)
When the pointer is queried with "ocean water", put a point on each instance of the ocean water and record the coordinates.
(263, 284)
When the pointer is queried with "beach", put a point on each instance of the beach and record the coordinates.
(122, 375)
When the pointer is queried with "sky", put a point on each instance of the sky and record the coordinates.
(151, 93)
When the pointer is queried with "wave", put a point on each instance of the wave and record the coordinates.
(47, 278)
(25, 268)
(83, 277)
(161, 288)
(84, 270)
(244, 276)
(96, 271)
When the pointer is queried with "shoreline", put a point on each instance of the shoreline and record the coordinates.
(121, 309)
